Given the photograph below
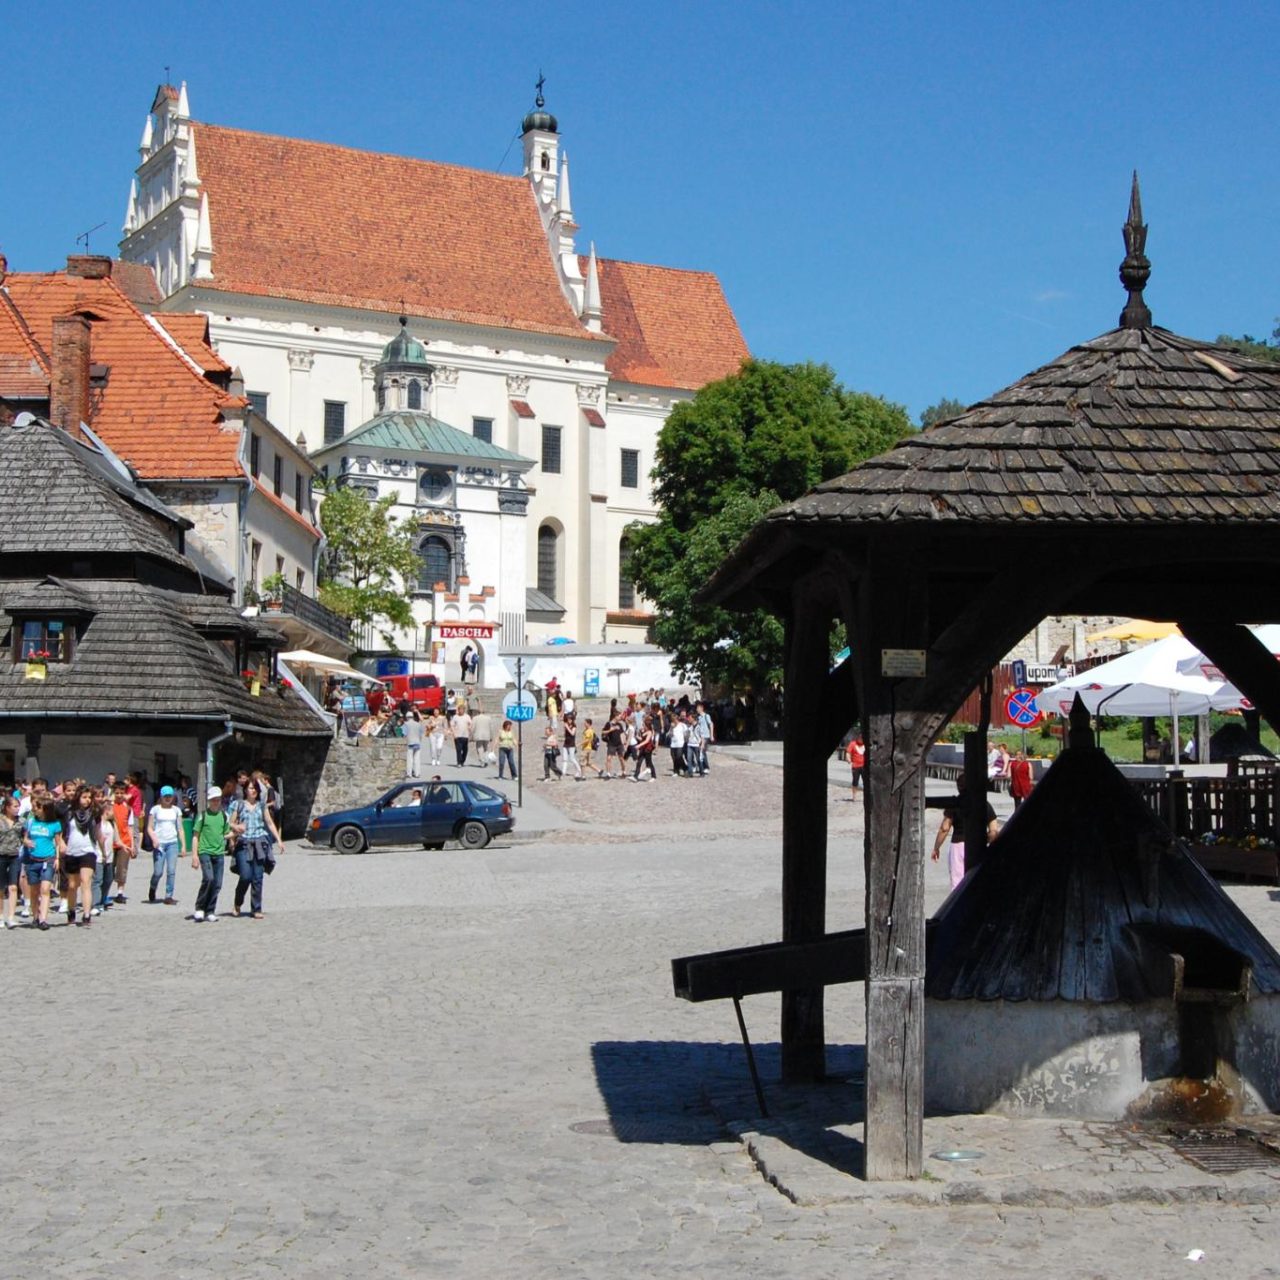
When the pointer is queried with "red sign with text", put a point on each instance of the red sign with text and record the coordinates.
(466, 630)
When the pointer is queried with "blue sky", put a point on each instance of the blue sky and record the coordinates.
(928, 197)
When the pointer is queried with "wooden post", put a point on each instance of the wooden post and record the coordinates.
(1243, 659)
(804, 822)
(893, 608)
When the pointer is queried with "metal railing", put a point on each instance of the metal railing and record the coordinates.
(315, 615)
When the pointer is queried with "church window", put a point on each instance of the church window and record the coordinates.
(277, 475)
(545, 161)
(482, 429)
(299, 490)
(548, 560)
(335, 420)
(434, 484)
(437, 563)
(257, 402)
(631, 468)
(626, 588)
(550, 448)
(415, 394)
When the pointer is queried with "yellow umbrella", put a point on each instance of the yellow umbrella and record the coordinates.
(1136, 629)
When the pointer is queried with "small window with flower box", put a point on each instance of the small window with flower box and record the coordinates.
(44, 640)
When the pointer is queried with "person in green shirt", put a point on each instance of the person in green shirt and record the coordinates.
(213, 829)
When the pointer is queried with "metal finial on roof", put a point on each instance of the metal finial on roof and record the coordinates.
(1135, 270)
(539, 101)
(1079, 734)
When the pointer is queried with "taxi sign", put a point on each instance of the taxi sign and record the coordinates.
(518, 705)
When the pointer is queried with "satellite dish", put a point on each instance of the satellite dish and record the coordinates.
(24, 419)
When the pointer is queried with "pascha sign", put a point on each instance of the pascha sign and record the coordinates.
(466, 630)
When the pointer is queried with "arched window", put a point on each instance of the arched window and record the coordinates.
(415, 394)
(548, 557)
(626, 588)
(437, 563)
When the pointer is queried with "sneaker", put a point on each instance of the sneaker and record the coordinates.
(25, 911)
(211, 918)
(171, 902)
(121, 899)
(42, 924)
(97, 911)
(197, 916)
(85, 921)
(66, 907)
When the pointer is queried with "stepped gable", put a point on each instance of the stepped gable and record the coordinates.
(155, 408)
(674, 328)
(330, 225)
(56, 502)
(1046, 915)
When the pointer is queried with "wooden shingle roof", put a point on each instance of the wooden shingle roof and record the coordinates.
(1136, 426)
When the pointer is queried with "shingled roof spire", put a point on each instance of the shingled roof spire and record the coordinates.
(1135, 270)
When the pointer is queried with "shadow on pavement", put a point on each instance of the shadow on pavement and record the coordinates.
(687, 1092)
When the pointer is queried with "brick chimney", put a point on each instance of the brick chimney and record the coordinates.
(69, 385)
(89, 266)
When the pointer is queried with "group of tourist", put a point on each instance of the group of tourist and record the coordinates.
(77, 840)
(630, 736)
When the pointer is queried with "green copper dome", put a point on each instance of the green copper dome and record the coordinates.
(539, 119)
(404, 348)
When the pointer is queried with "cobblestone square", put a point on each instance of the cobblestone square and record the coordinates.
(461, 1064)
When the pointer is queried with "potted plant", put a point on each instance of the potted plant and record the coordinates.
(273, 586)
(37, 661)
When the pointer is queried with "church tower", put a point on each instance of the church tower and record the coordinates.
(402, 378)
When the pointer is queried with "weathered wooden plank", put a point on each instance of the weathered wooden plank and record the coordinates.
(894, 1133)
(771, 966)
(804, 819)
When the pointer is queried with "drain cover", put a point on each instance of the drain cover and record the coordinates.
(1224, 1152)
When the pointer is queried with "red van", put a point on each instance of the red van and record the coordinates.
(425, 692)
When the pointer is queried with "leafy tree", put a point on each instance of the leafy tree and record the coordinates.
(940, 412)
(369, 559)
(762, 436)
(1258, 348)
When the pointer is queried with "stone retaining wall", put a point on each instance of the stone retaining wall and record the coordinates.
(355, 773)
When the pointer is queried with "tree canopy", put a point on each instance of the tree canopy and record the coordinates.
(1258, 348)
(940, 412)
(762, 436)
(369, 559)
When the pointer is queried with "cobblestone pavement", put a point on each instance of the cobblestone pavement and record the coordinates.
(463, 1065)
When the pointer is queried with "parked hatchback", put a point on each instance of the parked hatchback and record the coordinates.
(425, 692)
(426, 813)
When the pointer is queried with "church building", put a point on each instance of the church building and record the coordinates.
(558, 366)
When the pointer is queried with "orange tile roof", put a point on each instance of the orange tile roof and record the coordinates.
(155, 410)
(137, 282)
(326, 224)
(24, 367)
(674, 328)
(190, 330)
(523, 409)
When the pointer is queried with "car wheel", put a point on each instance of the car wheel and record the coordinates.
(474, 835)
(349, 840)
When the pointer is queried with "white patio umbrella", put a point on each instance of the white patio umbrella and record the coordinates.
(310, 658)
(1146, 682)
(1199, 665)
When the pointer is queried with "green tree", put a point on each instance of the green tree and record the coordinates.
(940, 412)
(369, 558)
(742, 445)
(1258, 348)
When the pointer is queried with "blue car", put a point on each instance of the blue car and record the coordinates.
(426, 813)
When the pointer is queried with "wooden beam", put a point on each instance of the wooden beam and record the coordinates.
(804, 818)
(893, 603)
(1242, 658)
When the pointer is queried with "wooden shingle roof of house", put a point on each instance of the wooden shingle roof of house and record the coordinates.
(175, 674)
(1139, 427)
(55, 500)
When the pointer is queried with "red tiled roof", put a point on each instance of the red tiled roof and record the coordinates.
(674, 328)
(523, 409)
(24, 367)
(594, 417)
(137, 282)
(326, 224)
(190, 330)
(155, 410)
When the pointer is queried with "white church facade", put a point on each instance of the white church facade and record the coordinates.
(304, 255)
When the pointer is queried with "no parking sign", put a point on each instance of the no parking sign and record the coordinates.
(1020, 708)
